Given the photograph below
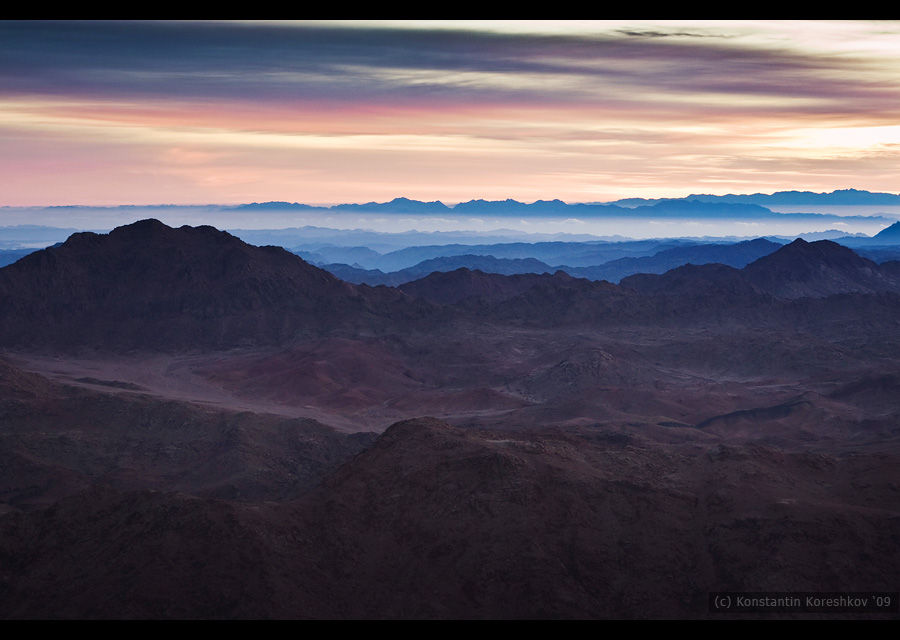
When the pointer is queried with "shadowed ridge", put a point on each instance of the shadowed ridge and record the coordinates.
(692, 280)
(499, 524)
(451, 287)
(529, 299)
(800, 252)
(415, 432)
(798, 270)
(147, 285)
(405, 430)
(818, 269)
(403, 446)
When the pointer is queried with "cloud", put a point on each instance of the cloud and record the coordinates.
(340, 112)
(241, 61)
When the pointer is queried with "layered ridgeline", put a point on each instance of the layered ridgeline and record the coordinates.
(581, 260)
(150, 286)
(799, 270)
(760, 292)
(746, 207)
(806, 208)
(147, 285)
(169, 443)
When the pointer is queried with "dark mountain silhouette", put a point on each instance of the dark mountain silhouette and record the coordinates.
(818, 269)
(715, 280)
(452, 287)
(706, 294)
(739, 297)
(798, 270)
(561, 300)
(148, 285)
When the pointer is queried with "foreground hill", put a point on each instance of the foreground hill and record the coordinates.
(444, 523)
(57, 440)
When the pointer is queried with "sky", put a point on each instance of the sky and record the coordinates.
(326, 112)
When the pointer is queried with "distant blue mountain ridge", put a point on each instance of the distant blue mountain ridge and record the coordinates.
(694, 206)
(891, 234)
(839, 197)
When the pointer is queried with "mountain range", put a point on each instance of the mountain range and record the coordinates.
(838, 197)
(200, 286)
(197, 427)
(786, 207)
(752, 205)
(736, 254)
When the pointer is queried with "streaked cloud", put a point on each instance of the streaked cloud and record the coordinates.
(362, 110)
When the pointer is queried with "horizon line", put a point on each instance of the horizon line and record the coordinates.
(451, 204)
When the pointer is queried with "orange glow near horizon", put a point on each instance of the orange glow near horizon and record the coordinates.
(569, 124)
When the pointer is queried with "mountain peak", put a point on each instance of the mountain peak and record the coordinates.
(151, 227)
(147, 285)
(800, 252)
(891, 233)
(817, 269)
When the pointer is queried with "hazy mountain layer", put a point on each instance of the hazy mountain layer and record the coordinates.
(844, 197)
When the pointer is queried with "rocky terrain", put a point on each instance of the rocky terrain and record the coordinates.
(193, 427)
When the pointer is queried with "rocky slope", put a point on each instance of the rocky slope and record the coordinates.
(442, 523)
